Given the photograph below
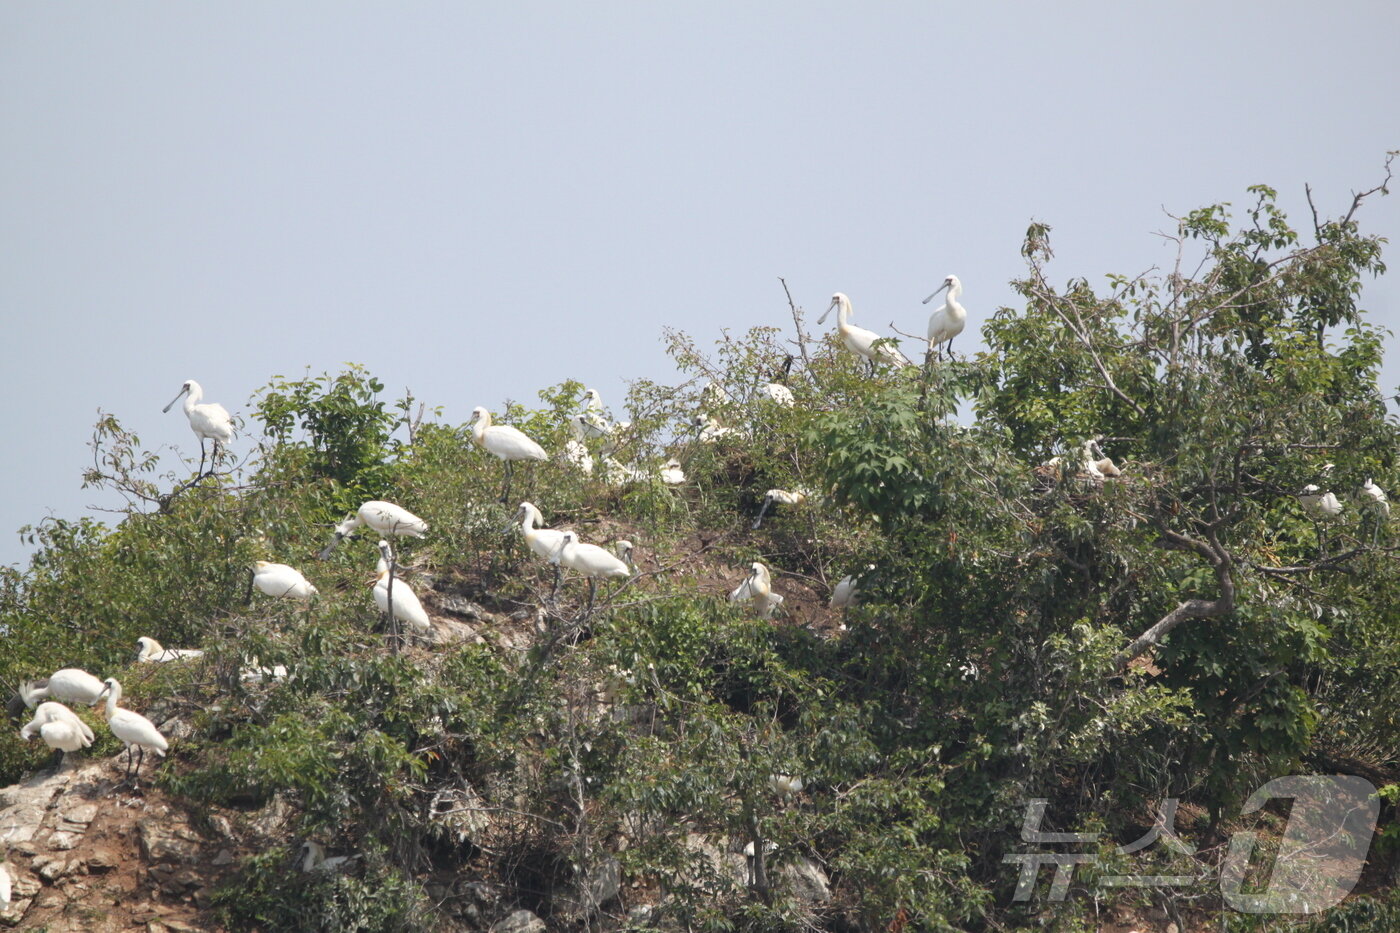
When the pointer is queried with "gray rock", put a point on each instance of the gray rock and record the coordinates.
(522, 921)
(806, 881)
(162, 840)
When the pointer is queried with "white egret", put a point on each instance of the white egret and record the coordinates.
(59, 727)
(859, 340)
(592, 561)
(1372, 500)
(777, 389)
(150, 651)
(782, 496)
(69, 685)
(503, 441)
(405, 602)
(313, 858)
(757, 590)
(281, 580)
(386, 518)
(949, 320)
(209, 420)
(134, 730)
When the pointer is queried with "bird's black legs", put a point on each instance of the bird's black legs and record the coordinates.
(505, 493)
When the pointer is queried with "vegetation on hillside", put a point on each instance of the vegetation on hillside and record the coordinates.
(1025, 630)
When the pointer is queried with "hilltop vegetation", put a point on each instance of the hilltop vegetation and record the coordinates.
(1026, 629)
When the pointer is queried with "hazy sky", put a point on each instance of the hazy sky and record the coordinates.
(479, 200)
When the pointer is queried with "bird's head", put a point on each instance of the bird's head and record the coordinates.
(188, 386)
(950, 282)
(837, 300)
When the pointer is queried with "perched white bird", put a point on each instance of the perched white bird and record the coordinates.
(209, 420)
(281, 580)
(59, 727)
(1320, 506)
(150, 651)
(777, 390)
(623, 474)
(785, 785)
(757, 590)
(1373, 497)
(575, 450)
(623, 549)
(847, 591)
(386, 518)
(592, 422)
(544, 542)
(949, 320)
(69, 685)
(781, 496)
(592, 561)
(1105, 465)
(711, 429)
(505, 442)
(313, 858)
(671, 472)
(859, 340)
(134, 730)
(405, 601)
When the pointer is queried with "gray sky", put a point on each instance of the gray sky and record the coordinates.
(480, 200)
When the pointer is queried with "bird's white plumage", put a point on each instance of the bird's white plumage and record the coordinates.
(1320, 506)
(785, 785)
(281, 581)
(589, 559)
(313, 858)
(757, 591)
(845, 594)
(1374, 498)
(711, 429)
(69, 685)
(671, 473)
(857, 339)
(59, 727)
(593, 423)
(6, 886)
(385, 518)
(406, 603)
(133, 729)
(150, 651)
(502, 440)
(951, 317)
(779, 393)
(542, 541)
(576, 453)
(209, 420)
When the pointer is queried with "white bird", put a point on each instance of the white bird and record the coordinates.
(1105, 465)
(671, 472)
(209, 420)
(405, 601)
(386, 518)
(575, 450)
(542, 541)
(281, 580)
(1319, 505)
(1372, 499)
(59, 727)
(313, 858)
(949, 320)
(777, 390)
(785, 785)
(711, 429)
(859, 340)
(505, 442)
(594, 562)
(261, 674)
(150, 651)
(847, 591)
(757, 590)
(622, 474)
(623, 549)
(134, 730)
(5, 885)
(69, 685)
(592, 422)
(781, 496)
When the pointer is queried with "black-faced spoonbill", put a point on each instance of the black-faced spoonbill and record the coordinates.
(777, 390)
(393, 591)
(150, 651)
(592, 561)
(386, 518)
(671, 472)
(133, 729)
(281, 581)
(544, 542)
(508, 443)
(69, 685)
(757, 591)
(313, 858)
(859, 340)
(593, 422)
(59, 727)
(949, 320)
(1372, 500)
(209, 420)
(781, 496)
